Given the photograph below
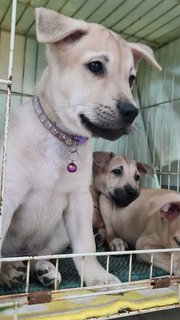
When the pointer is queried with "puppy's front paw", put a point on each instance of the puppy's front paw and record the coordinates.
(118, 244)
(45, 272)
(102, 278)
(12, 273)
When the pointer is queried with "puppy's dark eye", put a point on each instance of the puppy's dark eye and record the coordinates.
(137, 177)
(131, 80)
(117, 172)
(96, 67)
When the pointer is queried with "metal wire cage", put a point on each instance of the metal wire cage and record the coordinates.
(154, 92)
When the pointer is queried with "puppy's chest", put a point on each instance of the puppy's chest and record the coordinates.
(52, 169)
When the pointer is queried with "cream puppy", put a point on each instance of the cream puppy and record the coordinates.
(84, 91)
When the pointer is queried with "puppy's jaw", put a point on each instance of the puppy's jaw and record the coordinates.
(105, 130)
(122, 198)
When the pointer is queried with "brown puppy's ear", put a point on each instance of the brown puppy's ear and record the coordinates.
(145, 168)
(101, 159)
(170, 211)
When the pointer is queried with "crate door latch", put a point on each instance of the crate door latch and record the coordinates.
(39, 297)
(160, 283)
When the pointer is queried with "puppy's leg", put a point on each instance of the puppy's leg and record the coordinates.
(45, 271)
(78, 220)
(160, 260)
(11, 204)
(12, 273)
(114, 243)
(16, 189)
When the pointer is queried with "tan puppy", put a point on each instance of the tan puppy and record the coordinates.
(115, 184)
(84, 91)
(152, 221)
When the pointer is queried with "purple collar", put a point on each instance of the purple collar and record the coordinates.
(53, 129)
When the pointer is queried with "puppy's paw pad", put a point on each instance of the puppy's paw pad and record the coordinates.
(41, 272)
(118, 244)
(13, 273)
(45, 272)
(21, 268)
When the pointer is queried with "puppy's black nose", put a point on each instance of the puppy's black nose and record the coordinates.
(131, 192)
(128, 111)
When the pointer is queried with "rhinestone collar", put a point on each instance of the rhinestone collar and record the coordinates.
(53, 129)
(72, 142)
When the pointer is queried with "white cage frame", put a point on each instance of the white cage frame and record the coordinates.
(17, 300)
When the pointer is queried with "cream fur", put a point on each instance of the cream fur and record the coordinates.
(39, 191)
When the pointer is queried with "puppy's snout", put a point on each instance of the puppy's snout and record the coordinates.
(131, 192)
(128, 111)
(122, 197)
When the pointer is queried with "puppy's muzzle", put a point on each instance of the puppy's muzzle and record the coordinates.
(122, 197)
(111, 124)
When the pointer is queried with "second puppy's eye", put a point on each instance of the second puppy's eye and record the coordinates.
(96, 67)
(118, 172)
(131, 80)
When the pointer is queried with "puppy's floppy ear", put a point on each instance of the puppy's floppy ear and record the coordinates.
(144, 168)
(101, 159)
(170, 211)
(52, 27)
(141, 51)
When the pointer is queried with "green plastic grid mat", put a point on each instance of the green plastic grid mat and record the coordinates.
(119, 266)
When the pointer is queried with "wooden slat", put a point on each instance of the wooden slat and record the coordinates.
(167, 27)
(4, 55)
(19, 52)
(169, 36)
(26, 20)
(6, 22)
(4, 5)
(24, 1)
(104, 11)
(72, 7)
(29, 66)
(32, 30)
(88, 9)
(124, 8)
(159, 21)
(38, 3)
(135, 15)
(2, 111)
(146, 19)
(41, 61)
(56, 5)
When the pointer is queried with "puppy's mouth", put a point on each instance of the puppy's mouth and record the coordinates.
(122, 198)
(104, 132)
